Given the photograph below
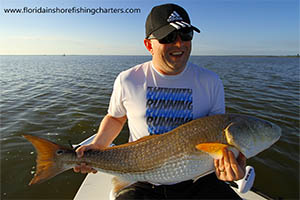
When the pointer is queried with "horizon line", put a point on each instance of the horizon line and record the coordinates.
(250, 55)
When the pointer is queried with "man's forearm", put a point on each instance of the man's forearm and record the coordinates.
(109, 129)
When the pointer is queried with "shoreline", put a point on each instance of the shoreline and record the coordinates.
(255, 56)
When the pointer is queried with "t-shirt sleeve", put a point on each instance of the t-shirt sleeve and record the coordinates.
(218, 106)
(116, 105)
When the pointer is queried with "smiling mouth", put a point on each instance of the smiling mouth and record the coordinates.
(177, 53)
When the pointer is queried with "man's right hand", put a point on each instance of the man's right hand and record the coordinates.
(83, 167)
(109, 129)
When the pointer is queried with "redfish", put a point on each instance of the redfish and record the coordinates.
(185, 153)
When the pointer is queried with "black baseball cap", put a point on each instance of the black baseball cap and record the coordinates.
(166, 18)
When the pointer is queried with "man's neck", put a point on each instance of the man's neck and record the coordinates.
(167, 71)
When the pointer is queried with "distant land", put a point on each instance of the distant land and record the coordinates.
(292, 56)
(289, 56)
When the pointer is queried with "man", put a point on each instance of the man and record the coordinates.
(157, 96)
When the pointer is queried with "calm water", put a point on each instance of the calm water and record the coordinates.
(65, 97)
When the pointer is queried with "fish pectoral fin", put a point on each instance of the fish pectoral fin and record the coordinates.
(119, 184)
(215, 150)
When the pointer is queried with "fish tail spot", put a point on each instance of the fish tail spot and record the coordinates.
(46, 167)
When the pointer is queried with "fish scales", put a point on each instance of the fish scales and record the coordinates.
(168, 157)
(154, 152)
(184, 153)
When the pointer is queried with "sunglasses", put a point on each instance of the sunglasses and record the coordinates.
(184, 34)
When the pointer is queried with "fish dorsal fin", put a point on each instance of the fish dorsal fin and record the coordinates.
(215, 150)
(134, 142)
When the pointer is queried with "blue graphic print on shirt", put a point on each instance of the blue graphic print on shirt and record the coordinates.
(168, 108)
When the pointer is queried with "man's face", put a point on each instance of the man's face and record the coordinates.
(170, 59)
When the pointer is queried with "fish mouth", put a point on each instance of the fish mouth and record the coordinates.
(242, 154)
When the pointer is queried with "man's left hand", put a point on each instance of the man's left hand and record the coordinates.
(228, 168)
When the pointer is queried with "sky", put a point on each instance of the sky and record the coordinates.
(228, 27)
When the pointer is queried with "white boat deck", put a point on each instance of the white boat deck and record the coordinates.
(98, 186)
(95, 186)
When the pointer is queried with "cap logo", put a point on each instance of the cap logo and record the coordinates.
(174, 17)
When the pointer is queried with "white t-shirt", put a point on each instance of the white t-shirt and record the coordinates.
(155, 103)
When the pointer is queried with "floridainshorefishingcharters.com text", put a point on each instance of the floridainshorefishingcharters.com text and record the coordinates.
(71, 10)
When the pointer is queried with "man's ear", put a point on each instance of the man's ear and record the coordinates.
(148, 45)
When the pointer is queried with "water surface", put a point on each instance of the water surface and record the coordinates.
(64, 98)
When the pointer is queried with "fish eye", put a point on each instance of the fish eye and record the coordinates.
(59, 152)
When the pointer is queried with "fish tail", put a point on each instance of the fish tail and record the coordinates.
(47, 166)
